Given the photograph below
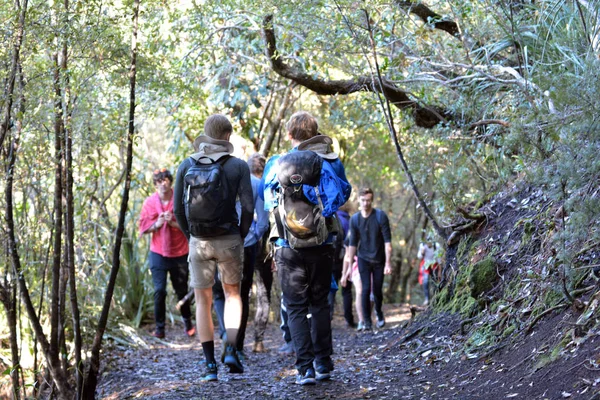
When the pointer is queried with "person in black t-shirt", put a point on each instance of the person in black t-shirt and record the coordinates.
(370, 234)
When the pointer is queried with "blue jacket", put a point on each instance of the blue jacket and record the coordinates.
(260, 224)
(334, 188)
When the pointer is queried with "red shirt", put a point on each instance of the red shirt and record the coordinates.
(168, 241)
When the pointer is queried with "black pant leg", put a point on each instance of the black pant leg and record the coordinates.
(245, 287)
(179, 272)
(319, 289)
(378, 288)
(365, 271)
(159, 279)
(347, 298)
(219, 304)
(295, 280)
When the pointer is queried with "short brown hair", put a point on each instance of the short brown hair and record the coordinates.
(302, 126)
(160, 174)
(257, 162)
(364, 191)
(217, 126)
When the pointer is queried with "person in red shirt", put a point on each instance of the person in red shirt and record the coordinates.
(168, 251)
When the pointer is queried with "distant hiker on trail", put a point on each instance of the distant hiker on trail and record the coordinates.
(370, 233)
(427, 266)
(264, 284)
(168, 251)
(259, 226)
(338, 266)
(305, 188)
(207, 185)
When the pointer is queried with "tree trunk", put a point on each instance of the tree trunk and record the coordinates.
(70, 212)
(12, 75)
(54, 349)
(91, 378)
(58, 374)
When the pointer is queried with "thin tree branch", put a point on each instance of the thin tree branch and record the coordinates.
(424, 116)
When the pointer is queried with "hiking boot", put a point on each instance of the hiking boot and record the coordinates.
(232, 361)
(160, 334)
(210, 373)
(380, 322)
(360, 326)
(323, 373)
(258, 347)
(308, 378)
(190, 328)
(287, 349)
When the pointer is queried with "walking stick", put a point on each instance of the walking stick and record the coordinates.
(188, 298)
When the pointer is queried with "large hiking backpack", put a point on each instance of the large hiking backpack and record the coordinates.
(204, 197)
(302, 222)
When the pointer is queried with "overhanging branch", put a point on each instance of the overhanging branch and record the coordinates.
(425, 116)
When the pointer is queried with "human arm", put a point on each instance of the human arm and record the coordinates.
(346, 269)
(387, 239)
(348, 260)
(387, 269)
(178, 209)
(246, 200)
(150, 220)
(421, 251)
(262, 218)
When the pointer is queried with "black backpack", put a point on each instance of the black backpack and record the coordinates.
(205, 191)
(299, 221)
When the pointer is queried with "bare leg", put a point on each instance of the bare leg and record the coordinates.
(204, 322)
(233, 308)
(357, 301)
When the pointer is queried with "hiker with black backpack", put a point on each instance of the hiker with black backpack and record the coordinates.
(207, 186)
(304, 188)
(370, 234)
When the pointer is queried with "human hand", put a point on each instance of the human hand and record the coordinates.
(160, 221)
(273, 266)
(387, 270)
(344, 280)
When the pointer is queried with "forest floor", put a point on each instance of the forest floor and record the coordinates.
(420, 358)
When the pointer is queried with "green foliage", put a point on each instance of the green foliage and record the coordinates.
(482, 276)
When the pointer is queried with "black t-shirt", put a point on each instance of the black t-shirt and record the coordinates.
(370, 234)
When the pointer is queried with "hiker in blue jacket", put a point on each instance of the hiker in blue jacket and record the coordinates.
(304, 269)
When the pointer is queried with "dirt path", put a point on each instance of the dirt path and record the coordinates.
(170, 369)
(418, 360)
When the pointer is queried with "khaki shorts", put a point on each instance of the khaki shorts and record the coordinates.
(226, 252)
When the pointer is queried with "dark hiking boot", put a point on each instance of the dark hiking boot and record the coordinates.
(210, 373)
(308, 378)
(323, 371)
(232, 361)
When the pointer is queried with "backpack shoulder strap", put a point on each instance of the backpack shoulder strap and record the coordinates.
(378, 216)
